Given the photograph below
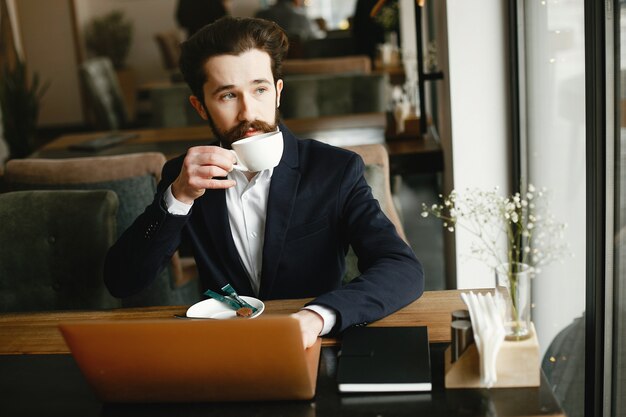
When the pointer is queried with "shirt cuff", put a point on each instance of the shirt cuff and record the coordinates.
(174, 206)
(329, 316)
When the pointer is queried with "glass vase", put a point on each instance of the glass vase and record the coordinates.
(513, 299)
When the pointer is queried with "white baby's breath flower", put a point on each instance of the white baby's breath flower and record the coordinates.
(494, 219)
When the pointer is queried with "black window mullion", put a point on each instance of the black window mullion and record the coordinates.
(595, 116)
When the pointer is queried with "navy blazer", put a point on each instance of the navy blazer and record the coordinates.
(319, 204)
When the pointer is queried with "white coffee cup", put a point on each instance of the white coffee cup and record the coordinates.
(258, 152)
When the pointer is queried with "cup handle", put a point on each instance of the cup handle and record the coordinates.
(239, 166)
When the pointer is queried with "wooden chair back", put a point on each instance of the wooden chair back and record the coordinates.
(357, 64)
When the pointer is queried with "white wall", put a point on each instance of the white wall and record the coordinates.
(50, 48)
(148, 17)
(246, 8)
(15, 25)
(477, 85)
(4, 147)
(407, 29)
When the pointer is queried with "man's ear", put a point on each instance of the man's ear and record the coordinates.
(279, 88)
(197, 104)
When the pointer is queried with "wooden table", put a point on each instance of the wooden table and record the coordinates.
(175, 140)
(406, 155)
(39, 377)
(37, 333)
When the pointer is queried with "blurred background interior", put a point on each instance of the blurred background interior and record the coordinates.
(433, 82)
(117, 68)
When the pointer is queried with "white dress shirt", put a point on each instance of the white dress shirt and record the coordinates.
(246, 203)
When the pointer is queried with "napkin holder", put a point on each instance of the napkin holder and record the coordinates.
(517, 365)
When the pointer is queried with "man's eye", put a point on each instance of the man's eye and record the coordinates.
(227, 96)
(261, 90)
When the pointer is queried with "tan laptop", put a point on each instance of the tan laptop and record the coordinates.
(175, 360)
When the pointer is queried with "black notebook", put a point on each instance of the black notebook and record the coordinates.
(384, 359)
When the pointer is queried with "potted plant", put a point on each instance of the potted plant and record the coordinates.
(387, 17)
(110, 35)
(20, 100)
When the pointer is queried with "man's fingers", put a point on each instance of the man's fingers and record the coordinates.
(217, 184)
(311, 325)
(200, 183)
(208, 172)
(204, 167)
(308, 339)
(210, 155)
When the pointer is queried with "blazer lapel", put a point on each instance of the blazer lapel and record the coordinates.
(280, 203)
(218, 226)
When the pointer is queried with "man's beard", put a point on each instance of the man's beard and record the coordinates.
(227, 137)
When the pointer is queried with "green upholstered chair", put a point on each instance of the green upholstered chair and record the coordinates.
(377, 175)
(104, 92)
(133, 177)
(53, 249)
(315, 95)
(170, 106)
(305, 96)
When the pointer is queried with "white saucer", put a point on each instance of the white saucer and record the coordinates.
(213, 309)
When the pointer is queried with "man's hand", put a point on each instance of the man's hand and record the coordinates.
(311, 325)
(201, 165)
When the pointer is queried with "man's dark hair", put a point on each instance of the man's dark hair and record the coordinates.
(230, 36)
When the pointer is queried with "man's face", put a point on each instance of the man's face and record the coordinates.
(239, 95)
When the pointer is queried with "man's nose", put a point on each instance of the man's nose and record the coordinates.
(246, 108)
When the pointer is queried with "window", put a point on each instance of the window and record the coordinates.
(553, 152)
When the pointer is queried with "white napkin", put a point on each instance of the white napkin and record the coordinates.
(488, 331)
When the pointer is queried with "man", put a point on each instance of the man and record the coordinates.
(279, 233)
(290, 16)
(193, 14)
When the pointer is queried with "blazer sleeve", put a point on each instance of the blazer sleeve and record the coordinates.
(391, 276)
(146, 247)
